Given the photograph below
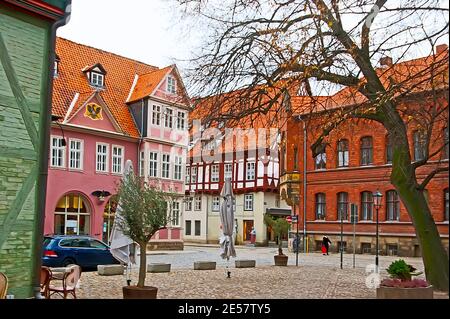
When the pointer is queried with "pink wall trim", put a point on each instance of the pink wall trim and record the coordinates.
(105, 124)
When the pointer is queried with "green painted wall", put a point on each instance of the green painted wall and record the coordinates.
(24, 43)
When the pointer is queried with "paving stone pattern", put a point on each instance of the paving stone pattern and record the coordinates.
(317, 277)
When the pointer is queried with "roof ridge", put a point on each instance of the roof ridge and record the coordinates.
(166, 67)
(109, 52)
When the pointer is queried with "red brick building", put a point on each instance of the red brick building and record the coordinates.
(354, 163)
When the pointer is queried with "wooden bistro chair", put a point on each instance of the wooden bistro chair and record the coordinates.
(67, 284)
(3, 285)
(46, 276)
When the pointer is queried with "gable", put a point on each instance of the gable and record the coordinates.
(95, 114)
(161, 91)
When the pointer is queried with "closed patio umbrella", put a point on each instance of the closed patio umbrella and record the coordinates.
(227, 220)
(122, 247)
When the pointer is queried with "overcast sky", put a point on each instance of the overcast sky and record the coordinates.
(146, 30)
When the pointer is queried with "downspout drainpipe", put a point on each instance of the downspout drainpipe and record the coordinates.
(44, 145)
(305, 138)
(141, 138)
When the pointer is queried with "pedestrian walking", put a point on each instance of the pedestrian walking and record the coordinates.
(325, 245)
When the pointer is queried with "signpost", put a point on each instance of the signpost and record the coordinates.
(354, 220)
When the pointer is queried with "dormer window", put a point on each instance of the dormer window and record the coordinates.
(171, 85)
(97, 79)
(96, 75)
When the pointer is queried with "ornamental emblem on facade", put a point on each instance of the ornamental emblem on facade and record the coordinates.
(94, 112)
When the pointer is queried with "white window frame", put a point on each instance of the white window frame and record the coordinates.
(165, 166)
(100, 79)
(198, 203)
(80, 151)
(58, 149)
(251, 165)
(228, 173)
(156, 115)
(215, 173)
(153, 164)
(141, 164)
(215, 204)
(187, 175)
(176, 210)
(114, 157)
(194, 176)
(171, 85)
(168, 118)
(188, 204)
(181, 120)
(248, 202)
(106, 156)
(177, 168)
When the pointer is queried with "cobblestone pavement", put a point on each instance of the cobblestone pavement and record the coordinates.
(316, 277)
(263, 282)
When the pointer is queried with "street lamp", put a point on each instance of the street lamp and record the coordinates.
(377, 196)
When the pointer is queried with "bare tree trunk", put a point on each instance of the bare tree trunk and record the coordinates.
(434, 256)
(142, 264)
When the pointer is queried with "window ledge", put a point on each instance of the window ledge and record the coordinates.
(101, 173)
(60, 168)
(76, 170)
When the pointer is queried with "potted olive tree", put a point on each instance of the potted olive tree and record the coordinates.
(400, 285)
(144, 210)
(280, 227)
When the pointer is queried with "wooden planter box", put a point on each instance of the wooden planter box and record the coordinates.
(405, 293)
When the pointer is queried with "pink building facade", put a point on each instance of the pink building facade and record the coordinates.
(111, 109)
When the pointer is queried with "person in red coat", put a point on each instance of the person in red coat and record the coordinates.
(325, 245)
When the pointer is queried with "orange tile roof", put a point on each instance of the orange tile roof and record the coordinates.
(147, 83)
(118, 81)
(413, 76)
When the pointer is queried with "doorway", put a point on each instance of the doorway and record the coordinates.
(108, 219)
(248, 225)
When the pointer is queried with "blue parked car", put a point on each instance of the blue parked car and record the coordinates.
(85, 251)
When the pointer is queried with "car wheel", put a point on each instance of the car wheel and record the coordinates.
(68, 261)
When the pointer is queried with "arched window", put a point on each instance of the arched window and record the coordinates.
(342, 205)
(446, 204)
(392, 206)
(419, 145)
(366, 150)
(108, 218)
(72, 216)
(320, 206)
(366, 206)
(446, 147)
(342, 153)
(321, 158)
(389, 150)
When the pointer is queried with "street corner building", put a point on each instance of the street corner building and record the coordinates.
(246, 151)
(27, 38)
(355, 161)
(108, 109)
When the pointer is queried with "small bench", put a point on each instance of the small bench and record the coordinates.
(245, 263)
(204, 265)
(158, 268)
(110, 270)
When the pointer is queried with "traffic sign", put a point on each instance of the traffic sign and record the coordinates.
(289, 219)
(294, 219)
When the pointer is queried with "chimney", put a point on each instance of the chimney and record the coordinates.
(441, 48)
(386, 61)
